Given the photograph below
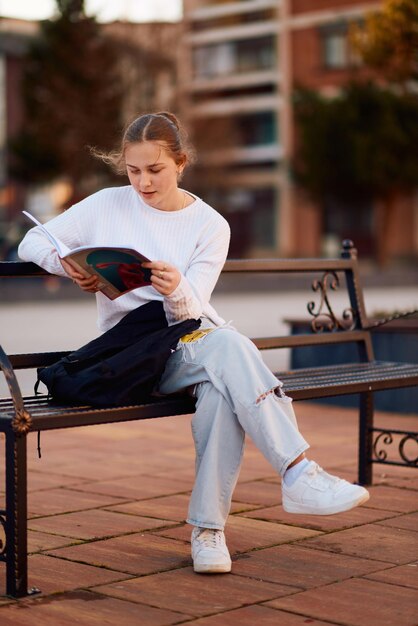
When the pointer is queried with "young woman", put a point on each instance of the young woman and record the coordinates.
(236, 394)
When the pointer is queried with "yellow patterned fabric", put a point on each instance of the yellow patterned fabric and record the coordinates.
(195, 335)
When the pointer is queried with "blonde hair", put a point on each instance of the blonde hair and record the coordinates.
(163, 128)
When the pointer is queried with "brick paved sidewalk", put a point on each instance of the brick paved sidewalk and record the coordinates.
(109, 544)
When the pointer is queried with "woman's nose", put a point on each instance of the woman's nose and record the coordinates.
(145, 181)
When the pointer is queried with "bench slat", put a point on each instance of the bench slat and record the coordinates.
(309, 339)
(326, 381)
(300, 384)
(42, 359)
(35, 359)
(26, 269)
(48, 416)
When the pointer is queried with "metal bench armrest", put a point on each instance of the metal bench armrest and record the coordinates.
(21, 421)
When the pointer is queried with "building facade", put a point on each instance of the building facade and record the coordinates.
(240, 64)
(148, 68)
(14, 39)
(231, 97)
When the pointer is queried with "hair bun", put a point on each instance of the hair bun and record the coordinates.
(171, 117)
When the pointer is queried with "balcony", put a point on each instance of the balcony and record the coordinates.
(243, 155)
(228, 61)
(236, 105)
(243, 138)
(234, 81)
(210, 11)
(232, 33)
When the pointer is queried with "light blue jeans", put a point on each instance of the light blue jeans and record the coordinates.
(236, 393)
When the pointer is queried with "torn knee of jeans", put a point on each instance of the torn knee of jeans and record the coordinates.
(265, 395)
(280, 394)
(276, 392)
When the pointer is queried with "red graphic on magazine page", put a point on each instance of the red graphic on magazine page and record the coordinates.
(123, 270)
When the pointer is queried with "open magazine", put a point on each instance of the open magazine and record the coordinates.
(119, 269)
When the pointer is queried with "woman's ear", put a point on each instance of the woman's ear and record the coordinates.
(181, 165)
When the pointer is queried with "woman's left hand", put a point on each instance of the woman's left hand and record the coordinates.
(164, 277)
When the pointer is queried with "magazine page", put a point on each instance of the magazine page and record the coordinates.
(119, 269)
(59, 245)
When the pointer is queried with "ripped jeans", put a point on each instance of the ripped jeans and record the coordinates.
(236, 393)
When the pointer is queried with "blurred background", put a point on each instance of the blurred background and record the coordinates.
(304, 113)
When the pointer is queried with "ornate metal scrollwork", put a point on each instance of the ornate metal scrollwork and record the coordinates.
(402, 444)
(387, 438)
(21, 422)
(2, 538)
(324, 317)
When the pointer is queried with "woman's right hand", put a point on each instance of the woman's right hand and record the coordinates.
(89, 284)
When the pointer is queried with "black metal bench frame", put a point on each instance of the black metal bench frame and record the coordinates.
(19, 416)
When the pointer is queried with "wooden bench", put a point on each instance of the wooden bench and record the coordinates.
(20, 416)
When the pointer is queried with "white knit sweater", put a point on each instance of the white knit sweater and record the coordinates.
(195, 240)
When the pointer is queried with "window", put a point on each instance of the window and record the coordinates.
(255, 54)
(337, 52)
(251, 214)
(257, 129)
(218, 60)
(235, 57)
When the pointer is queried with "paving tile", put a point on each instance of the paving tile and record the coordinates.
(392, 499)
(258, 492)
(302, 567)
(136, 554)
(246, 534)
(348, 519)
(167, 507)
(38, 541)
(86, 608)
(47, 480)
(94, 524)
(106, 465)
(202, 595)
(102, 467)
(138, 487)
(372, 541)
(63, 500)
(408, 521)
(404, 575)
(395, 476)
(53, 575)
(256, 615)
(355, 603)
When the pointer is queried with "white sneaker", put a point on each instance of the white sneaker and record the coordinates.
(209, 552)
(316, 492)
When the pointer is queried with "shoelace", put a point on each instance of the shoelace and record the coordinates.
(209, 538)
(321, 477)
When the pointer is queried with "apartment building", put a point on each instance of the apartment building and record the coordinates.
(240, 63)
(232, 99)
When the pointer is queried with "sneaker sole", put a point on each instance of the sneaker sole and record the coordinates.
(291, 507)
(206, 568)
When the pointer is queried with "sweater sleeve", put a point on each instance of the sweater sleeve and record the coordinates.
(193, 293)
(36, 247)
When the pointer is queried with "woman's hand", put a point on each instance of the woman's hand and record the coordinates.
(89, 284)
(164, 277)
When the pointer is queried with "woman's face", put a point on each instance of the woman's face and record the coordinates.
(153, 174)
